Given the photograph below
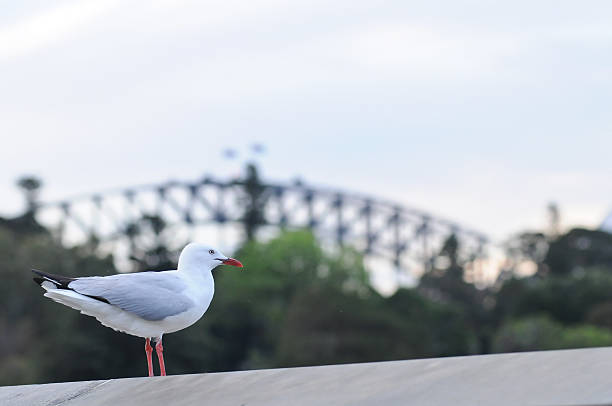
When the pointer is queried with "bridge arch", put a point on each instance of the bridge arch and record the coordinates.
(407, 239)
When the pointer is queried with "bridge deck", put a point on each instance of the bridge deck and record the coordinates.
(570, 377)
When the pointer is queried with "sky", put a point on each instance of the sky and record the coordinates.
(481, 112)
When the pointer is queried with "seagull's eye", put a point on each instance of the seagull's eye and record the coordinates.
(211, 252)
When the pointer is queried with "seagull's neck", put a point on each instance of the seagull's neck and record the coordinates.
(200, 283)
(195, 271)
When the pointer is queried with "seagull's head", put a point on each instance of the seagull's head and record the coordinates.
(200, 256)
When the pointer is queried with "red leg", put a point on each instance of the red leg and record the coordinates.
(149, 351)
(159, 348)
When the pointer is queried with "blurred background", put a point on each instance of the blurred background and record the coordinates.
(400, 179)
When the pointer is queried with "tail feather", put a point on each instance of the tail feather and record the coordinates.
(50, 281)
(70, 298)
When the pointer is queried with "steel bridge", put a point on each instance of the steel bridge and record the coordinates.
(404, 238)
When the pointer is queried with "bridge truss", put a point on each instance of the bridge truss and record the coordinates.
(406, 239)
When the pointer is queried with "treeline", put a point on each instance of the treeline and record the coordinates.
(297, 304)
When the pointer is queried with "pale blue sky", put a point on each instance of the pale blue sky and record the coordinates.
(480, 111)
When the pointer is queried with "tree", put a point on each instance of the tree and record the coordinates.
(565, 298)
(155, 256)
(30, 185)
(26, 223)
(35, 328)
(259, 298)
(579, 249)
(445, 284)
(528, 247)
(255, 199)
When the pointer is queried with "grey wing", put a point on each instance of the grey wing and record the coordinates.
(150, 295)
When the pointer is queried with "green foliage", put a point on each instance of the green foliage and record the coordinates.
(529, 334)
(579, 249)
(543, 333)
(435, 328)
(294, 303)
(600, 315)
(33, 329)
(324, 326)
(566, 298)
(447, 285)
(260, 296)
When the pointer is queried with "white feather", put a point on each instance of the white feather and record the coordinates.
(146, 304)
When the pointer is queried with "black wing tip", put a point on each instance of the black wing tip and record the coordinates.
(38, 279)
(58, 280)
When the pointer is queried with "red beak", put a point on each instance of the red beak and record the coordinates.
(233, 262)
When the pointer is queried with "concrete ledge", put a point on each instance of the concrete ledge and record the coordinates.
(569, 377)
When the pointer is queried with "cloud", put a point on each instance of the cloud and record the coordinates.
(432, 50)
(454, 84)
(356, 56)
(50, 26)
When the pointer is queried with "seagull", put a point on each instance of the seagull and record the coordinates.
(144, 304)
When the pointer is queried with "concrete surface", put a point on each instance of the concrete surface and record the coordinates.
(570, 377)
